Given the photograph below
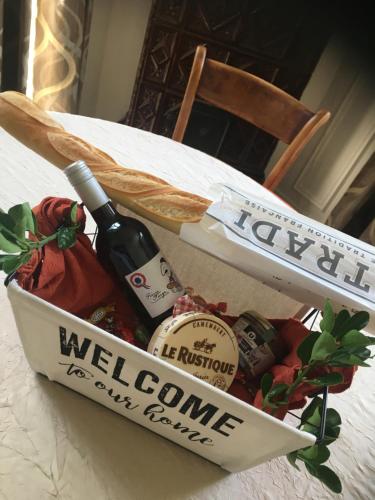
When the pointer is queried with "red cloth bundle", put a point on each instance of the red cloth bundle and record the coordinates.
(71, 279)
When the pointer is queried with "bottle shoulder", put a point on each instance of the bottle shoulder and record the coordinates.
(130, 225)
(128, 235)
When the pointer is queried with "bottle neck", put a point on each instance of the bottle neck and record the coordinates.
(91, 193)
(105, 215)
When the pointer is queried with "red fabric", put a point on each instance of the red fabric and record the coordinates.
(71, 279)
(292, 332)
(240, 391)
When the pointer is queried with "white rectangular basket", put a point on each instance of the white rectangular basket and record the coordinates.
(147, 390)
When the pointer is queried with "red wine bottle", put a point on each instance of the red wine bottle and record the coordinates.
(127, 250)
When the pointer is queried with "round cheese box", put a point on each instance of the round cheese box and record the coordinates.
(200, 344)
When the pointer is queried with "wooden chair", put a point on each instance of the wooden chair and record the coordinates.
(256, 101)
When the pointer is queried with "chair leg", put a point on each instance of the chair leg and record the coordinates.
(190, 93)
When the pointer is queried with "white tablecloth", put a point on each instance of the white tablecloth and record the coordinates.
(56, 444)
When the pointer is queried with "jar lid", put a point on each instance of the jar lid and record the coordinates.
(258, 323)
(200, 344)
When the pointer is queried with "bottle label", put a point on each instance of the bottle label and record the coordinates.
(156, 285)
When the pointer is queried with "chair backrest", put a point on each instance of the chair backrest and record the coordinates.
(251, 98)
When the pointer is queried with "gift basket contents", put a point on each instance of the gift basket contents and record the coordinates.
(126, 287)
(108, 316)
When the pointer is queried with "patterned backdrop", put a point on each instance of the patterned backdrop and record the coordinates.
(62, 33)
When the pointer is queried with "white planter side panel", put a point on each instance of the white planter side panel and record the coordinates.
(123, 378)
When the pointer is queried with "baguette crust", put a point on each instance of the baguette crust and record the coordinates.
(145, 194)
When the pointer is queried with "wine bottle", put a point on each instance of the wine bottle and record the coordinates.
(127, 250)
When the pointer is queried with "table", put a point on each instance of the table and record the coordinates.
(55, 443)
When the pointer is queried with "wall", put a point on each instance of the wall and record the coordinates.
(116, 41)
(343, 83)
(97, 43)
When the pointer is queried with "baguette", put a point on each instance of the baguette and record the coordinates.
(144, 194)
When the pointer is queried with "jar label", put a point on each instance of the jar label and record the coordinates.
(156, 285)
(256, 359)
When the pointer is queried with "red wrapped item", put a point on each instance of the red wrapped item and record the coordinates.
(71, 279)
(109, 318)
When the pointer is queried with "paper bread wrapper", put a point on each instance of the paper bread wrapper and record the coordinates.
(287, 251)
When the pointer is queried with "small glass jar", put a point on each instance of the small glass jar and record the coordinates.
(259, 344)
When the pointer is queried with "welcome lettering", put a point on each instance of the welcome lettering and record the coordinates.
(168, 394)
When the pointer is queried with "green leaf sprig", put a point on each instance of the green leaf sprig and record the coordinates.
(314, 456)
(340, 343)
(17, 247)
